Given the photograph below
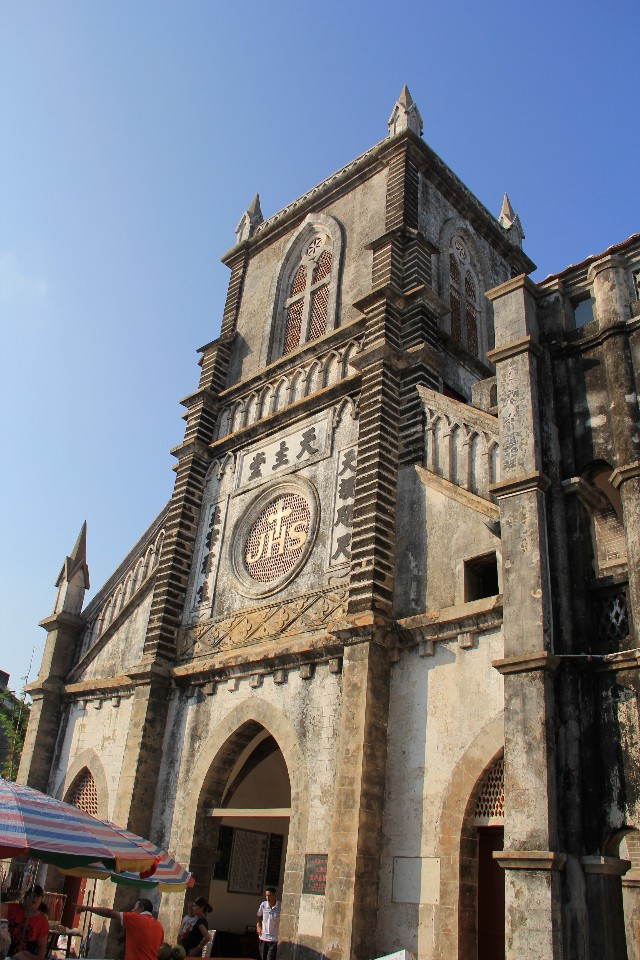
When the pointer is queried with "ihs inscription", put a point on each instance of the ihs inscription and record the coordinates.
(277, 538)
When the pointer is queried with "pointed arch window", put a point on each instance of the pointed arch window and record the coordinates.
(307, 302)
(464, 297)
(83, 794)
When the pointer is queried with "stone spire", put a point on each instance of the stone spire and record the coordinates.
(249, 220)
(405, 115)
(73, 578)
(510, 221)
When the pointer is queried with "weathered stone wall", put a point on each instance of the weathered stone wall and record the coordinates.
(302, 715)
(439, 706)
(94, 737)
(122, 648)
(360, 214)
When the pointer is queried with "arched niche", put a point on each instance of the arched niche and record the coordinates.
(456, 241)
(90, 761)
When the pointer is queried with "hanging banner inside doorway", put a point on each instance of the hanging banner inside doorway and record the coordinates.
(248, 860)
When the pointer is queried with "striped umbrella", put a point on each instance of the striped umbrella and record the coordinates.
(39, 826)
(168, 877)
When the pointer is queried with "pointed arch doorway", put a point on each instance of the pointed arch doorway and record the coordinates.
(242, 832)
(489, 824)
(82, 794)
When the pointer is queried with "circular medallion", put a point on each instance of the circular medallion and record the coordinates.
(314, 248)
(460, 249)
(274, 536)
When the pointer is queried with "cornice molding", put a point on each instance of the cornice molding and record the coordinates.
(464, 497)
(627, 471)
(514, 349)
(61, 621)
(606, 866)
(530, 859)
(521, 282)
(528, 664)
(525, 483)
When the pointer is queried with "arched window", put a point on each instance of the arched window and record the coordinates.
(304, 296)
(307, 299)
(83, 793)
(464, 297)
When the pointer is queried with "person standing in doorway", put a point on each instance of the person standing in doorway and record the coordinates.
(198, 934)
(268, 924)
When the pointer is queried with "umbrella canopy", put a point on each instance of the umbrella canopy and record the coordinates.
(35, 824)
(168, 877)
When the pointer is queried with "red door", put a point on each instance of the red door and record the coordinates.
(74, 891)
(490, 895)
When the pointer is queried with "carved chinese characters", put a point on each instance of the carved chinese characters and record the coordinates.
(210, 554)
(343, 515)
(306, 444)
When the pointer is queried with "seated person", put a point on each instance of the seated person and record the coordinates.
(28, 926)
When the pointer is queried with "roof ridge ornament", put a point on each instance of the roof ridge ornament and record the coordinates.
(250, 220)
(405, 115)
(510, 222)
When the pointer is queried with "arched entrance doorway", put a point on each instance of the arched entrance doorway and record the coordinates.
(481, 917)
(629, 849)
(489, 823)
(82, 794)
(241, 834)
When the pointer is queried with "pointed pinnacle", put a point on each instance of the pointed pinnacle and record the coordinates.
(405, 97)
(254, 207)
(79, 552)
(507, 213)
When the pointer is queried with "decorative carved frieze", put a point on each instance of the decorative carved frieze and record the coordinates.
(303, 614)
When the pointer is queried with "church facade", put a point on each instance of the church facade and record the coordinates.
(381, 646)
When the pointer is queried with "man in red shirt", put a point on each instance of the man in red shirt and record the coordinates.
(144, 934)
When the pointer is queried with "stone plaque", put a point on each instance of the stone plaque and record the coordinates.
(315, 874)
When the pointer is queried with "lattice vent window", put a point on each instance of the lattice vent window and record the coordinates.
(464, 298)
(84, 795)
(307, 302)
(612, 617)
(490, 803)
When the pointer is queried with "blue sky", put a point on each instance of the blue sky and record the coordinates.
(133, 137)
